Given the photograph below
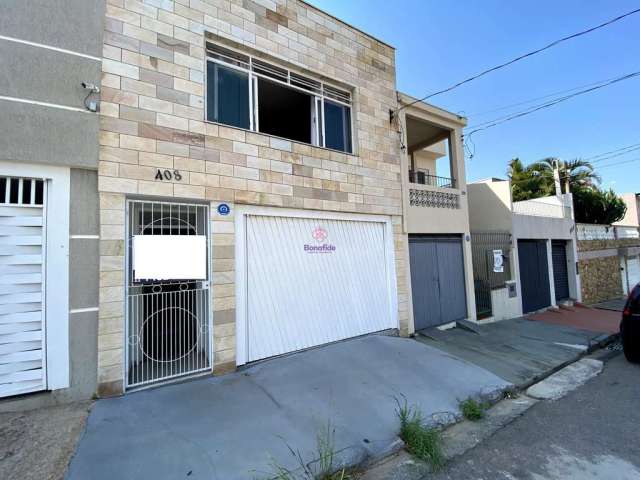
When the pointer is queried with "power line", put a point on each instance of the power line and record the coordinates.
(498, 121)
(521, 57)
(633, 147)
(524, 102)
(609, 157)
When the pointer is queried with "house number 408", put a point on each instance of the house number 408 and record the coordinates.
(169, 175)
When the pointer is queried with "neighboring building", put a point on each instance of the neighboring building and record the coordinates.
(610, 254)
(632, 216)
(436, 215)
(250, 188)
(525, 256)
(609, 260)
(48, 200)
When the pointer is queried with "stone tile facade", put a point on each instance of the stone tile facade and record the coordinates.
(152, 117)
(599, 265)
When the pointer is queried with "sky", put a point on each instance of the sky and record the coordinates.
(442, 42)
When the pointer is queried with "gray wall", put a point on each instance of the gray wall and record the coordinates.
(40, 126)
(44, 134)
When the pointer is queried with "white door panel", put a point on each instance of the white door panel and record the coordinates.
(22, 360)
(633, 270)
(299, 296)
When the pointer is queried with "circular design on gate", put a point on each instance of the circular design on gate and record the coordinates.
(319, 234)
(224, 209)
(168, 322)
(156, 288)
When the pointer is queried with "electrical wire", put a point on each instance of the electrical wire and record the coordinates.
(492, 123)
(521, 57)
(525, 102)
(633, 147)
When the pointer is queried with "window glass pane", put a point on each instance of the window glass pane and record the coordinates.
(227, 96)
(284, 112)
(337, 126)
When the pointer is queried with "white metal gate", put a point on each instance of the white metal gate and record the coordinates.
(22, 261)
(168, 320)
(630, 268)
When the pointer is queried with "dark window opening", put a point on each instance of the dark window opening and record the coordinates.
(284, 112)
(3, 189)
(26, 192)
(227, 96)
(13, 193)
(337, 126)
(39, 192)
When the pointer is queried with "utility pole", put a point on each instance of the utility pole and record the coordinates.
(556, 178)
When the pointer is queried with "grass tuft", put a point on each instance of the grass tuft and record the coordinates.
(423, 442)
(472, 410)
(322, 468)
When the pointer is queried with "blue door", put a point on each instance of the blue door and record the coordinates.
(437, 280)
(534, 275)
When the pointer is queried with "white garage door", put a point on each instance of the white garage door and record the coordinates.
(311, 282)
(633, 271)
(21, 295)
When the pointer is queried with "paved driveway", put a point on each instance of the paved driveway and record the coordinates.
(234, 427)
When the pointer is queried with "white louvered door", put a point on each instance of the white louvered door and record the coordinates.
(314, 281)
(22, 241)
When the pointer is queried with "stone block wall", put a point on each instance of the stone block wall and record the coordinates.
(152, 117)
(599, 266)
(600, 279)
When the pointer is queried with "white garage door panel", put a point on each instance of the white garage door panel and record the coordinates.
(21, 300)
(297, 299)
(633, 270)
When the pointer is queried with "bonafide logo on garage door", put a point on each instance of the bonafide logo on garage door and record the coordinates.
(320, 235)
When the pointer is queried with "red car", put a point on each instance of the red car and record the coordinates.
(630, 326)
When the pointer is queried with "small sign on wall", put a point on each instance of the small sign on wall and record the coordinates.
(498, 261)
(170, 257)
(168, 175)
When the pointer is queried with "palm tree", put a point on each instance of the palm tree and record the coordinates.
(528, 182)
(575, 174)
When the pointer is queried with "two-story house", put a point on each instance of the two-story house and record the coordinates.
(253, 185)
(250, 187)
(436, 216)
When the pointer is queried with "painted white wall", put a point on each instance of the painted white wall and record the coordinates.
(503, 306)
(632, 217)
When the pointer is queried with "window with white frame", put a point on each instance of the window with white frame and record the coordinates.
(245, 92)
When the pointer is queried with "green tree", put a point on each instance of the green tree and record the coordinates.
(526, 182)
(592, 205)
(574, 174)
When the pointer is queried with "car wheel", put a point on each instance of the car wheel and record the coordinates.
(631, 350)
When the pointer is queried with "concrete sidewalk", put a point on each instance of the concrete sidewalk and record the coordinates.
(599, 320)
(519, 350)
(235, 427)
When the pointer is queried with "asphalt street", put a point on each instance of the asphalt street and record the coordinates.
(592, 433)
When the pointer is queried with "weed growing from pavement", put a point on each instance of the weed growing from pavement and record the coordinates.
(472, 409)
(322, 468)
(422, 441)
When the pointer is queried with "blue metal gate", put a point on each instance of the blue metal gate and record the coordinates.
(534, 275)
(560, 269)
(437, 280)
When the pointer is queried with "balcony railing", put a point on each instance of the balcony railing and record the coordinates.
(422, 177)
